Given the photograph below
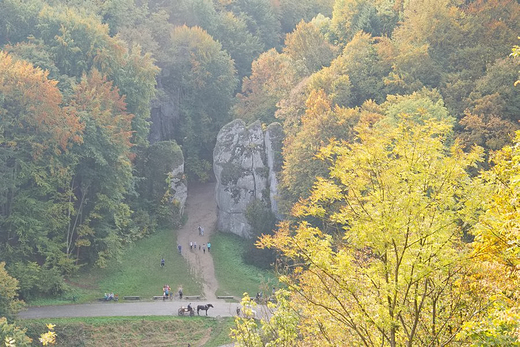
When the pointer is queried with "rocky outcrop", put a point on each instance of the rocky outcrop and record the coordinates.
(179, 187)
(273, 149)
(245, 164)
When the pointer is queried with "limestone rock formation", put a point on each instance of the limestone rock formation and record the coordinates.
(179, 187)
(273, 149)
(245, 164)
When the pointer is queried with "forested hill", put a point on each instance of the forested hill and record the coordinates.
(100, 98)
(81, 172)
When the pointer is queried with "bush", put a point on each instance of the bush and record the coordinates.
(9, 304)
(36, 280)
(12, 335)
(262, 222)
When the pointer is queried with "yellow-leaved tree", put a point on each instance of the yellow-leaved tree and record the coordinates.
(375, 256)
(496, 254)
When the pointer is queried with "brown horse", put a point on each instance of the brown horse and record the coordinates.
(203, 308)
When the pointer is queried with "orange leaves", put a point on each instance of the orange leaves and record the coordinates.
(98, 100)
(33, 104)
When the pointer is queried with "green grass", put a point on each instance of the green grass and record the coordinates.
(139, 273)
(234, 277)
(133, 331)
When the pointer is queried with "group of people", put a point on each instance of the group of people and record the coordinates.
(110, 296)
(193, 246)
(168, 294)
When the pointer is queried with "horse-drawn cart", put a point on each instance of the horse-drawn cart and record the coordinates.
(186, 311)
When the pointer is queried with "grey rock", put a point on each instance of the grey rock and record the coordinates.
(273, 147)
(179, 187)
(242, 164)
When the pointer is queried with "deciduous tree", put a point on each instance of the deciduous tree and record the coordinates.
(201, 77)
(496, 254)
(376, 256)
(307, 46)
(9, 303)
(273, 76)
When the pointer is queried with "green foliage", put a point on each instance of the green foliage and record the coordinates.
(261, 19)
(155, 164)
(293, 12)
(36, 280)
(18, 20)
(262, 222)
(420, 106)
(377, 18)
(103, 173)
(201, 76)
(86, 156)
(365, 68)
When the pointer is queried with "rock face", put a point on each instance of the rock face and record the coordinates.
(245, 162)
(273, 148)
(179, 187)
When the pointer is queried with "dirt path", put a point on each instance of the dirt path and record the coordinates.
(201, 209)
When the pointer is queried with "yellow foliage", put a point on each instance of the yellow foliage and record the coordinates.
(384, 265)
(48, 338)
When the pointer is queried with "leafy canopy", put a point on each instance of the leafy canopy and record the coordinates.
(376, 252)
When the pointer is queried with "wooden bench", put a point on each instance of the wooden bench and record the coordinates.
(158, 297)
(131, 298)
(191, 297)
(115, 298)
(226, 297)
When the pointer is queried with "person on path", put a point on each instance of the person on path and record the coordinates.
(204, 248)
(179, 247)
(195, 245)
(200, 230)
(180, 293)
(162, 262)
(165, 292)
(191, 245)
(209, 246)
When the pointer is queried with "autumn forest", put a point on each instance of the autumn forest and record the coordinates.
(400, 179)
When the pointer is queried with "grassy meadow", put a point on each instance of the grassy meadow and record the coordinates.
(139, 273)
(233, 275)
